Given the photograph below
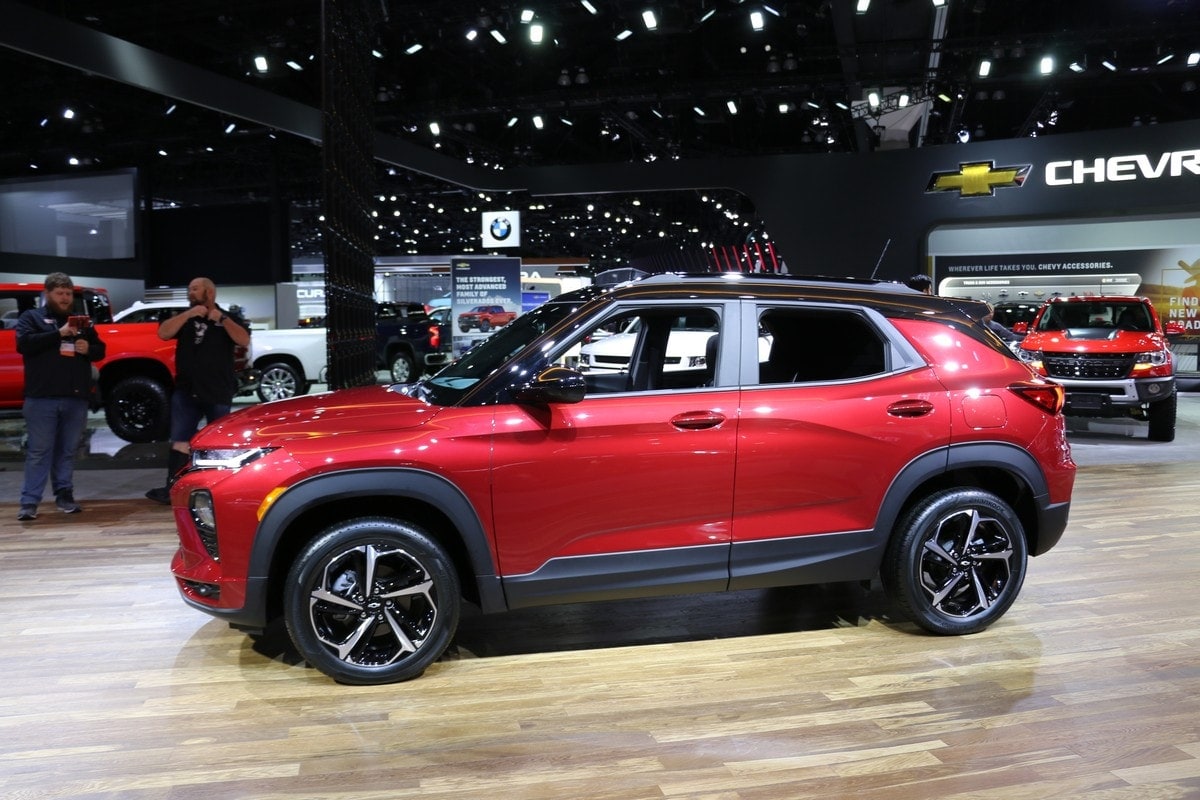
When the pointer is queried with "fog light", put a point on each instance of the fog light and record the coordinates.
(1153, 388)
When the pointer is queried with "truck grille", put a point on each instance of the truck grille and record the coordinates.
(1082, 365)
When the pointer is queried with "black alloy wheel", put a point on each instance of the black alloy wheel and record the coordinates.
(137, 409)
(372, 600)
(956, 561)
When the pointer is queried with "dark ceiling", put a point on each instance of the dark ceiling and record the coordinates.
(703, 84)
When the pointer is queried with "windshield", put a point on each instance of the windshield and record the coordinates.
(450, 385)
(1096, 314)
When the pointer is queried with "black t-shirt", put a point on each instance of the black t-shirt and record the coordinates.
(204, 360)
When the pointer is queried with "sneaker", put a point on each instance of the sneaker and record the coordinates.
(66, 503)
(27, 513)
(160, 494)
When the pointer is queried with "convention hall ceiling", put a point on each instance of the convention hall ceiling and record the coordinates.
(710, 79)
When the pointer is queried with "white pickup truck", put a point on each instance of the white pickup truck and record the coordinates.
(408, 343)
(289, 361)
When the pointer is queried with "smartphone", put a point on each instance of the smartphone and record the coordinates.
(80, 322)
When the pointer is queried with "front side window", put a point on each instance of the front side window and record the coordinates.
(647, 349)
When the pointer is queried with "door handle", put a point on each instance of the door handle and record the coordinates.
(910, 408)
(697, 420)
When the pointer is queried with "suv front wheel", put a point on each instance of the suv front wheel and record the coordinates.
(956, 561)
(1162, 419)
(372, 600)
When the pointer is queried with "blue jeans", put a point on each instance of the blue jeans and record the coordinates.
(54, 426)
(187, 411)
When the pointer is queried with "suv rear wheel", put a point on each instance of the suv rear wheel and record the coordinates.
(956, 561)
(372, 600)
(1162, 419)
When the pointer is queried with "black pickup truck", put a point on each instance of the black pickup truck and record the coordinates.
(405, 336)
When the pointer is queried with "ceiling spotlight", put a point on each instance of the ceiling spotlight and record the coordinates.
(985, 68)
(785, 108)
(902, 102)
(536, 32)
(1108, 65)
(170, 110)
(1193, 59)
(1165, 59)
(939, 3)
(68, 113)
(873, 99)
(732, 106)
(861, 6)
(964, 135)
(413, 48)
(260, 63)
(230, 128)
(538, 122)
(649, 19)
(527, 15)
(1047, 65)
(295, 65)
(699, 111)
(511, 121)
(1075, 66)
(376, 53)
(590, 8)
(756, 20)
(435, 129)
(623, 35)
(472, 35)
(498, 36)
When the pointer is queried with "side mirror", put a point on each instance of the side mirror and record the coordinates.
(552, 385)
(1020, 327)
(1174, 328)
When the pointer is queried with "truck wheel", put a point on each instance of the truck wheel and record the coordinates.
(465, 328)
(485, 326)
(280, 381)
(1162, 419)
(956, 561)
(372, 600)
(402, 368)
(137, 409)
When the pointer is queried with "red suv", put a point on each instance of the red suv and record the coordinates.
(834, 431)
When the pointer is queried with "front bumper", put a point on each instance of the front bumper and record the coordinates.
(1113, 398)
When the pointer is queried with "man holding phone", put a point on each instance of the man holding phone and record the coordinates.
(58, 348)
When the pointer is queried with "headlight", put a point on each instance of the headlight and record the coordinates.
(227, 458)
(1155, 358)
(1030, 356)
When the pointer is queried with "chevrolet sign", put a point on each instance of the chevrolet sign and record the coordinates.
(1122, 168)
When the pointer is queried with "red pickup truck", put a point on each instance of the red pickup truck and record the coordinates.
(135, 377)
(485, 318)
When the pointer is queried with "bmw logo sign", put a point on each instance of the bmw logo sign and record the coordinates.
(501, 228)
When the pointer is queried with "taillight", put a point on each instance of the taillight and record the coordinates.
(435, 336)
(1047, 396)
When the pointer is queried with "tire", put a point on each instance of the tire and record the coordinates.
(279, 381)
(465, 328)
(402, 367)
(484, 326)
(138, 409)
(388, 632)
(956, 561)
(1162, 419)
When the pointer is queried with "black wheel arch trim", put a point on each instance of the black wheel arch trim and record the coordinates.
(396, 482)
(992, 455)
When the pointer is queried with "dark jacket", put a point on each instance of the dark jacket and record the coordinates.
(48, 373)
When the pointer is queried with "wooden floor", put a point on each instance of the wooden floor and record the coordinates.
(1089, 688)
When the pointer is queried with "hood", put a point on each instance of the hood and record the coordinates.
(368, 408)
(1093, 340)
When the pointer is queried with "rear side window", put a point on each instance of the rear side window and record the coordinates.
(810, 345)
